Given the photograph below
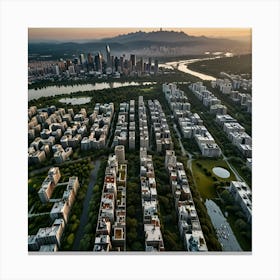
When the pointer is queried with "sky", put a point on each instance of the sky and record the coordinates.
(76, 34)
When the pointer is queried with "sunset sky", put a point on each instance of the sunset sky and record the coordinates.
(64, 34)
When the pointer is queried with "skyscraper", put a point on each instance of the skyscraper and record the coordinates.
(90, 59)
(117, 64)
(141, 65)
(133, 61)
(156, 67)
(98, 62)
(109, 64)
(82, 58)
(150, 65)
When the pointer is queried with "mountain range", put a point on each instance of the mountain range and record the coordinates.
(156, 43)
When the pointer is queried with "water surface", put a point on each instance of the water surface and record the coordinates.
(224, 232)
(58, 90)
(221, 172)
(75, 101)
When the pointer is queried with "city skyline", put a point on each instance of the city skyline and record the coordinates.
(82, 34)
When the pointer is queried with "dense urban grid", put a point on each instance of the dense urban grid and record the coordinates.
(92, 66)
(156, 148)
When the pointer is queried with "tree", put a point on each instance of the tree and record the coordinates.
(130, 211)
(70, 239)
(85, 243)
(88, 228)
(226, 196)
(95, 188)
(240, 225)
(137, 246)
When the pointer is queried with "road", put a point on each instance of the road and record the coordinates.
(84, 215)
(183, 150)
(38, 214)
(238, 177)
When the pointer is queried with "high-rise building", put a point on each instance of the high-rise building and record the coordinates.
(68, 63)
(98, 62)
(141, 65)
(108, 52)
(133, 61)
(122, 62)
(90, 59)
(149, 65)
(56, 69)
(156, 66)
(117, 64)
(82, 58)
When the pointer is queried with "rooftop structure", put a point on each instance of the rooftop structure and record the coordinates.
(111, 225)
(153, 238)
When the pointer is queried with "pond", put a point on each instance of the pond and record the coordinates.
(221, 172)
(75, 101)
(224, 232)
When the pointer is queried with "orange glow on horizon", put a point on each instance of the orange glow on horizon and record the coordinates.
(63, 34)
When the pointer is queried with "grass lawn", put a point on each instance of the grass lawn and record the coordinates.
(207, 183)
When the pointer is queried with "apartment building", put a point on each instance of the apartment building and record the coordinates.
(153, 235)
(111, 225)
(143, 124)
(243, 195)
(49, 184)
(188, 221)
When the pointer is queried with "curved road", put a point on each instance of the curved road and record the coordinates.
(84, 216)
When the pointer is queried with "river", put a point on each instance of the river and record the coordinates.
(182, 66)
(58, 90)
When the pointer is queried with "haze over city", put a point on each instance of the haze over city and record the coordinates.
(82, 34)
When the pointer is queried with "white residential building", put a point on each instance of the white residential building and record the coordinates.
(243, 195)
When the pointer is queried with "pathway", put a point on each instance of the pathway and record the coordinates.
(238, 177)
(84, 215)
(38, 214)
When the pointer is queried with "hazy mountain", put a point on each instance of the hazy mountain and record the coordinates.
(156, 43)
(154, 36)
